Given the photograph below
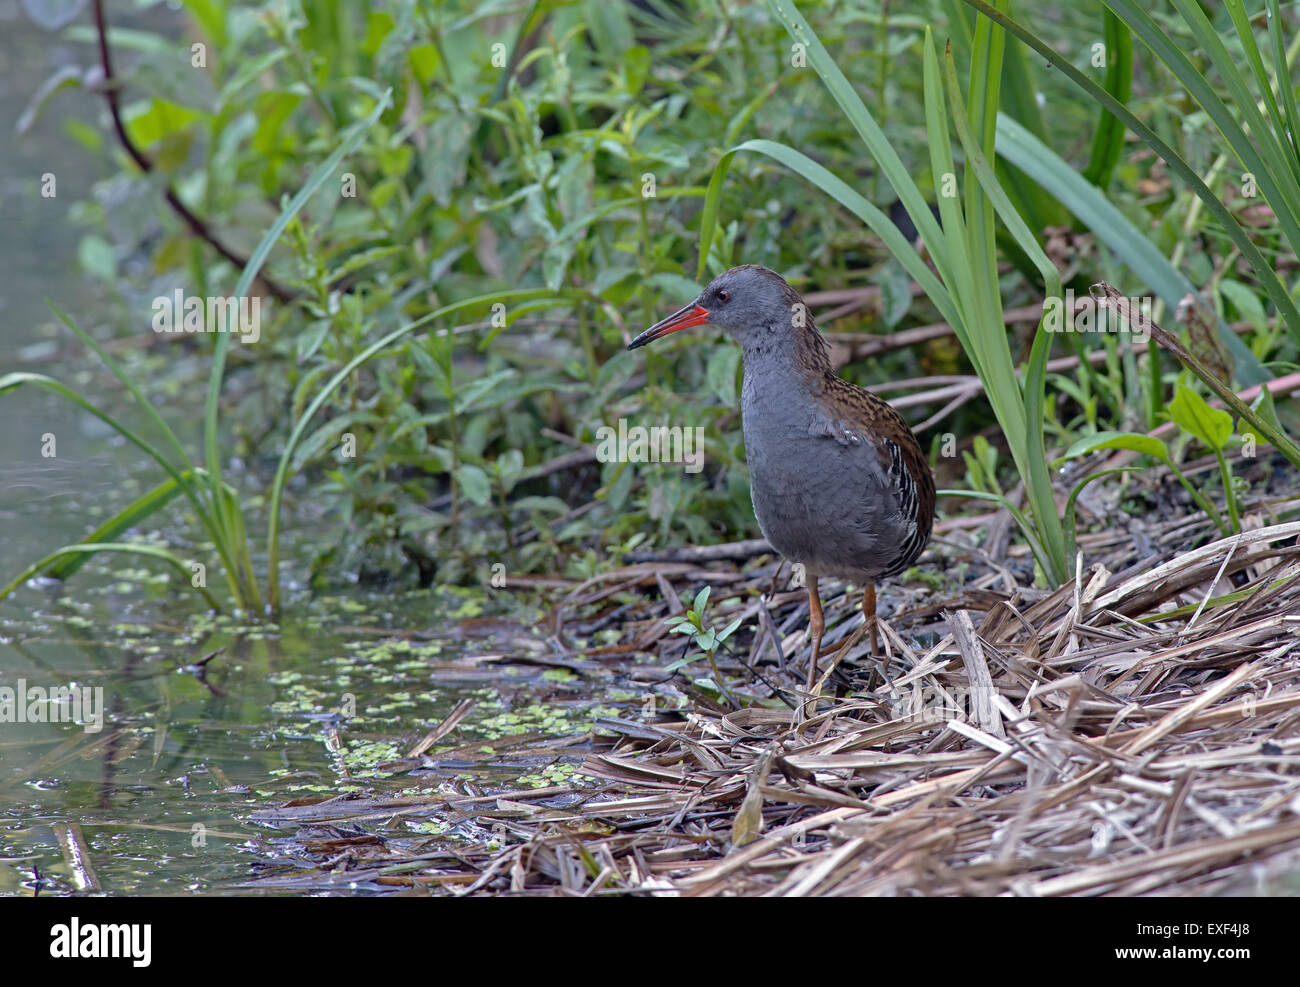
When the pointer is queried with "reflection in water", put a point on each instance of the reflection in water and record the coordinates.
(208, 723)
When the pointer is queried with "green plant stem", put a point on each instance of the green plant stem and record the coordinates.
(1230, 495)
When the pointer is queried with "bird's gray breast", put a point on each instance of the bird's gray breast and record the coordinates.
(820, 492)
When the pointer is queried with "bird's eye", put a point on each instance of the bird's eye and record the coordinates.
(724, 296)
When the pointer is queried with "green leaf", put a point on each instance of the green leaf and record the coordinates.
(473, 483)
(379, 25)
(160, 119)
(610, 28)
(701, 600)
(1245, 301)
(673, 285)
(310, 338)
(1147, 445)
(730, 629)
(681, 663)
(211, 15)
(273, 109)
(425, 62)
(895, 292)
(509, 466)
(1213, 426)
(97, 257)
(636, 67)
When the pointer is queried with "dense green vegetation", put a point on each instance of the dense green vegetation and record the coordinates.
(394, 172)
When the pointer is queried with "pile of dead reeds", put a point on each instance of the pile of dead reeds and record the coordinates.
(1135, 731)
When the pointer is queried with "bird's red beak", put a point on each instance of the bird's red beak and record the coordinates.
(691, 315)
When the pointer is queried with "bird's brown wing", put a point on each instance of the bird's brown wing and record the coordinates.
(856, 415)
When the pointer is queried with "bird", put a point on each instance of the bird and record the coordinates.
(838, 480)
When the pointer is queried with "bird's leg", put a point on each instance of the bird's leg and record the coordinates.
(815, 628)
(869, 611)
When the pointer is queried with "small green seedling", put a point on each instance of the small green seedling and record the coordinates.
(707, 639)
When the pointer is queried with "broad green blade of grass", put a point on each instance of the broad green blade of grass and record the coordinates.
(970, 238)
(983, 336)
(1113, 228)
(87, 549)
(1020, 102)
(989, 350)
(1108, 141)
(1033, 462)
(184, 481)
(134, 513)
(709, 214)
(954, 243)
(981, 109)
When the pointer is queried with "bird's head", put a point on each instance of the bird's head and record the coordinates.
(741, 301)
